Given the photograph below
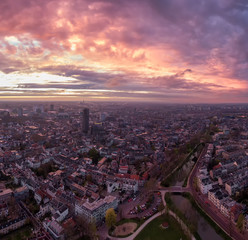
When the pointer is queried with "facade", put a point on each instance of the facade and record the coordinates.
(217, 197)
(204, 184)
(12, 225)
(226, 206)
(5, 195)
(4, 211)
(54, 228)
(231, 187)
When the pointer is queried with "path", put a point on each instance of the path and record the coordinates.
(131, 237)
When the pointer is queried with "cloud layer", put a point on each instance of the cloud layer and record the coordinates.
(153, 50)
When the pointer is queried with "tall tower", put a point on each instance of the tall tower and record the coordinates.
(20, 112)
(51, 107)
(85, 120)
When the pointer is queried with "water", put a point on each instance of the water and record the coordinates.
(205, 230)
(182, 174)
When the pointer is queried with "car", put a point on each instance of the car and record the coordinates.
(130, 200)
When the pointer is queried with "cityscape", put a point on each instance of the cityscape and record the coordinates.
(64, 166)
(123, 120)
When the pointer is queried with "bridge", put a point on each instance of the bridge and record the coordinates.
(174, 189)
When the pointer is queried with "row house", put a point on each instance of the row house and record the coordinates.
(204, 183)
(217, 197)
(13, 225)
(226, 206)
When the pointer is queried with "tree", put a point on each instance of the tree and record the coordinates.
(12, 206)
(240, 222)
(89, 178)
(93, 230)
(83, 225)
(150, 185)
(94, 155)
(110, 217)
(195, 185)
(121, 213)
(161, 208)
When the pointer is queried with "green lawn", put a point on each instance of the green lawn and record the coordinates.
(153, 231)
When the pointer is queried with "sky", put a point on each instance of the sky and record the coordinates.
(171, 51)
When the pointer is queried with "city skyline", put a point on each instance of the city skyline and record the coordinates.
(152, 51)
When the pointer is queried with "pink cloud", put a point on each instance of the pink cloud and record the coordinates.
(146, 41)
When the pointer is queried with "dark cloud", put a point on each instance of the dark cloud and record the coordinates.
(208, 36)
(10, 65)
(59, 86)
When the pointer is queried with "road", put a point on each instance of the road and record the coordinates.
(212, 211)
(35, 221)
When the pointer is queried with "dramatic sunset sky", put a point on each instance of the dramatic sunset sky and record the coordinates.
(172, 51)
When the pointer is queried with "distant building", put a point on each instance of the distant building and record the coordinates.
(51, 107)
(20, 112)
(85, 120)
(38, 109)
(103, 117)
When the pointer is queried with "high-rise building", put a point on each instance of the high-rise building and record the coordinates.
(38, 109)
(20, 112)
(51, 107)
(85, 120)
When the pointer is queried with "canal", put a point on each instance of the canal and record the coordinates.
(204, 229)
(182, 173)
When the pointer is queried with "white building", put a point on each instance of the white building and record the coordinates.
(204, 183)
(122, 184)
(95, 211)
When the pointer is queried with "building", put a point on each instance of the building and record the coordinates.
(20, 112)
(231, 187)
(5, 195)
(95, 211)
(217, 197)
(204, 184)
(54, 228)
(21, 193)
(51, 107)
(122, 184)
(226, 206)
(85, 120)
(4, 210)
(12, 225)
